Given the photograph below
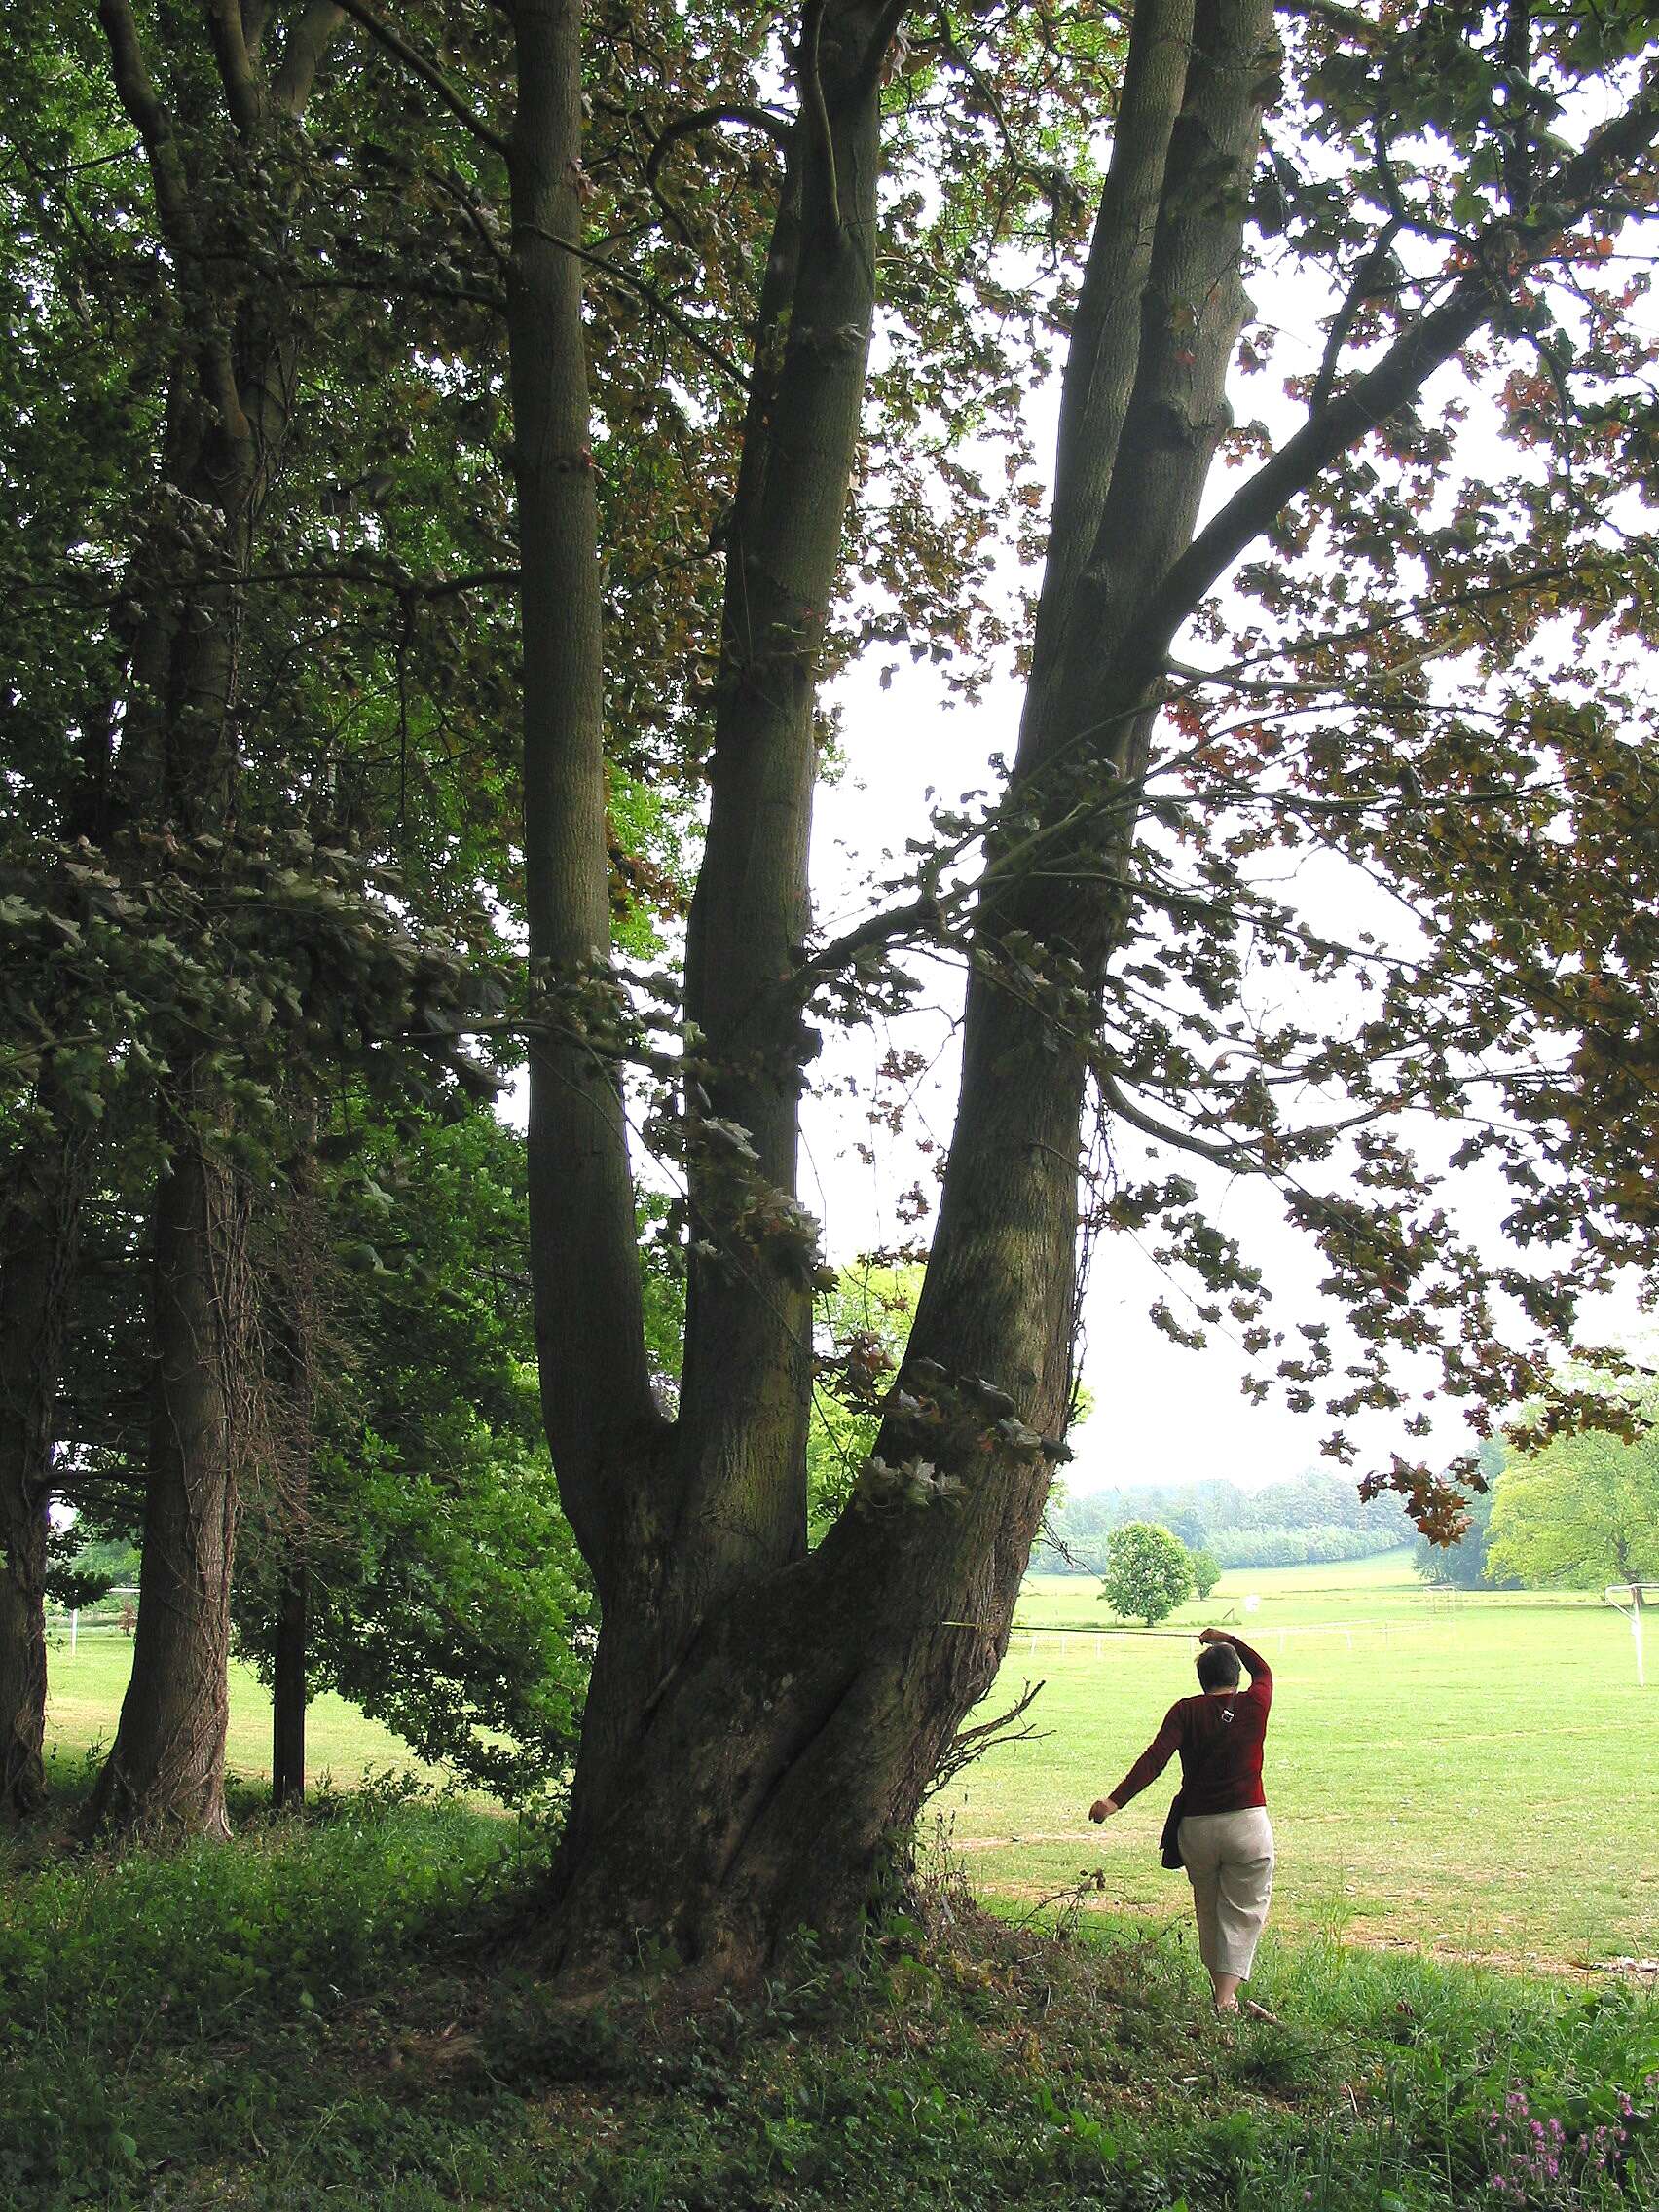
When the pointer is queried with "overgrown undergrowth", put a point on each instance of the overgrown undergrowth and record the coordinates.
(320, 2015)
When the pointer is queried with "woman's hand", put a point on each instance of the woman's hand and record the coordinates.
(1103, 1808)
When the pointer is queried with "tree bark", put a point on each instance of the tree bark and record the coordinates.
(228, 420)
(606, 1442)
(293, 1327)
(38, 1237)
(794, 1718)
(674, 1523)
(740, 1461)
(166, 1770)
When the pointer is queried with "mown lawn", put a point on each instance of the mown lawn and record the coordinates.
(86, 1688)
(1476, 1775)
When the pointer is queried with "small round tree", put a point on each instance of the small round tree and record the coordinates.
(1148, 1572)
(1205, 1570)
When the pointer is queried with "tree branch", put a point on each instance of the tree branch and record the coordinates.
(308, 42)
(1106, 331)
(168, 181)
(430, 75)
(775, 126)
(814, 105)
(1348, 20)
(1503, 246)
(381, 579)
(972, 1744)
(1358, 292)
(602, 1418)
(687, 329)
(234, 64)
(137, 96)
(888, 927)
(886, 30)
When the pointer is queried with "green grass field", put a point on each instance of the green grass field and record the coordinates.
(1475, 1775)
(85, 1690)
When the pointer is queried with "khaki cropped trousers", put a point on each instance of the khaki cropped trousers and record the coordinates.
(1228, 1857)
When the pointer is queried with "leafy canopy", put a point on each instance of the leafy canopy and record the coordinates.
(1581, 1512)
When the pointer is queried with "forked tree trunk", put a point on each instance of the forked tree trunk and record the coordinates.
(766, 1722)
(38, 1244)
(166, 1770)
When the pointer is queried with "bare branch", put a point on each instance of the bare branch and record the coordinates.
(972, 1744)
(1358, 292)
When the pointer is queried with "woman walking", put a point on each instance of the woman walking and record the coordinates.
(1218, 1819)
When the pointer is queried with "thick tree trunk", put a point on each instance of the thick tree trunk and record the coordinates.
(23, 1650)
(791, 1725)
(166, 1771)
(672, 1525)
(37, 1270)
(229, 411)
(762, 1724)
(606, 1442)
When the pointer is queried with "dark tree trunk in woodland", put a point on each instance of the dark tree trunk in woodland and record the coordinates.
(762, 1722)
(293, 1327)
(166, 1770)
(229, 413)
(37, 1271)
(288, 1691)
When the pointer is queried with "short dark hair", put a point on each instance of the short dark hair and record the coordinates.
(1218, 1667)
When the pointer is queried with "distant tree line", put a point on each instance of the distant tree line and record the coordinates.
(1309, 1520)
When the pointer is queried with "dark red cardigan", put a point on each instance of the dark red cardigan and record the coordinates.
(1220, 1742)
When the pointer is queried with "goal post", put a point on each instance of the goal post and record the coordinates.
(1633, 1599)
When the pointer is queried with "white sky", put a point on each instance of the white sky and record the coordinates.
(1164, 1414)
